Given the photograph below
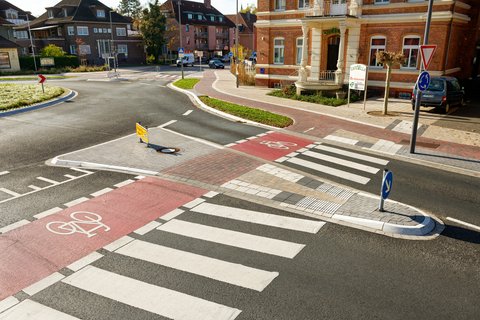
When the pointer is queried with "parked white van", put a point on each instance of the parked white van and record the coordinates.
(188, 59)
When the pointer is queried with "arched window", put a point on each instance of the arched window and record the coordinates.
(377, 43)
(278, 50)
(411, 45)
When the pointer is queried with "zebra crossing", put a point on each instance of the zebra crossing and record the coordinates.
(220, 228)
(333, 161)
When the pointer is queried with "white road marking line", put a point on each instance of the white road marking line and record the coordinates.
(233, 238)
(47, 213)
(139, 177)
(144, 83)
(100, 192)
(162, 86)
(342, 162)
(69, 176)
(10, 192)
(341, 139)
(15, 225)
(81, 170)
(232, 273)
(165, 302)
(8, 303)
(352, 155)
(167, 123)
(118, 243)
(310, 226)
(210, 194)
(29, 309)
(172, 214)
(464, 223)
(193, 203)
(34, 187)
(48, 180)
(329, 170)
(124, 183)
(4, 173)
(75, 202)
(147, 228)
(187, 113)
(309, 129)
(43, 284)
(85, 261)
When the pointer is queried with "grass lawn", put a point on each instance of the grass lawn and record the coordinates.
(248, 113)
(290, 93)
(186, 83)
(31, 78)
(19, 95)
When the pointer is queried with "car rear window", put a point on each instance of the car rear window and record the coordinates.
(436, 85)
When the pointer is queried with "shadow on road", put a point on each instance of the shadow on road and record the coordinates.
(461, 234)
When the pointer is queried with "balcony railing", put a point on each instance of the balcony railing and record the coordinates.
(328, 7)
(327, 75)
(222, 35)
(201, 34)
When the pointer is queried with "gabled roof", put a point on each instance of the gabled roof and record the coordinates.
(246, 19)
(195, 8)
(79, 10)
(5, 5)
(4, 22)
(4, 43)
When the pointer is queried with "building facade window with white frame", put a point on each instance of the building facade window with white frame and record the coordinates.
(103, 47)
(278, 50)
(82, 31)
(23, 34)
(123, 48)
(71, 30)
(121, 32)
(303, 4)
(411, 46)
(100, 13)
(73, 49)
(377, 44)
(299, 50)
(279, 5)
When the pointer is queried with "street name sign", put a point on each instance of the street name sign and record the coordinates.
(426, 52)
(181, 52)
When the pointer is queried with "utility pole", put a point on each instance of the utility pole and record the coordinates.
(31, 41)
(112, 50)
(418, 95)
(236, 46)
(180, 29)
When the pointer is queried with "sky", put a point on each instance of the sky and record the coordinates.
(37, 7)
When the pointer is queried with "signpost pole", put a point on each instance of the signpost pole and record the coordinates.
(180, 30)
(380, 207)
(418, 96)
(365, 91)
(348, 103)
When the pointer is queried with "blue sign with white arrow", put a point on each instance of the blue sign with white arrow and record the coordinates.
(387, 184)
(230, 54)
(423, 81)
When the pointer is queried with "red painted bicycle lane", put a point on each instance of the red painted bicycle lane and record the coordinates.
(272, 146)
(32, 252)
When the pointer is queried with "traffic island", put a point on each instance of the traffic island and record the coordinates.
(13, 96)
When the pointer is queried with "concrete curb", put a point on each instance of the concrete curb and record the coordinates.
(66, 97)
(215, 111)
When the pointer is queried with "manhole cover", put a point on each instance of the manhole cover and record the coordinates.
(168, 150)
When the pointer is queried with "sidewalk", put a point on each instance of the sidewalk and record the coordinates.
(353, 125)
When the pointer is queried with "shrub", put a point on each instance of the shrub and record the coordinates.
(52, 51)
(26, 63)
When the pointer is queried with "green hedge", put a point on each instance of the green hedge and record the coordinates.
(26, 63)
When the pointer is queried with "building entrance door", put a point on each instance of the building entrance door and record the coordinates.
(332, 55)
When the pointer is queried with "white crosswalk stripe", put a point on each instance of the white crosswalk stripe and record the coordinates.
(345, 162)
(150, 296)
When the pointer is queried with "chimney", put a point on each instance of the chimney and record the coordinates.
(207, 3)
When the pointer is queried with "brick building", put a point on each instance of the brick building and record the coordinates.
(246, 31)
(312, 43)
(84, 28)
(204, 28)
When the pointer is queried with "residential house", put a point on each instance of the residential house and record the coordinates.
(88, 29)
(8, 55)
(203, 27)
(246, 31)
(313, 43)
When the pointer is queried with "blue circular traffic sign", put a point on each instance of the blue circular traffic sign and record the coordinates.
(387, 184)
(230, 54)
(423, 81)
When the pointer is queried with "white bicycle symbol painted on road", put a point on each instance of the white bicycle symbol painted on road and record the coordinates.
(278, 144)
(81, 221)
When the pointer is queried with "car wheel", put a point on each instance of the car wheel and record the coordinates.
(448, 108)
(462, 102)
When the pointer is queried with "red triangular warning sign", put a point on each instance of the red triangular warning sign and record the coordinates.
(426, 52)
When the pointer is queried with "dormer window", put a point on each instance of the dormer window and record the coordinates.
(11, 14)
(100, 13)
(50, 13)
(220, 19)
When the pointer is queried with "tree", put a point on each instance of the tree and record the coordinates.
(52, 51)
(153, 29)
(389, 59)
(250, 8)
(130, 8)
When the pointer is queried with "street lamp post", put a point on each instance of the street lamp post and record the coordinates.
(112, 51)
(180, 35)
(31, 41)
(236, 46)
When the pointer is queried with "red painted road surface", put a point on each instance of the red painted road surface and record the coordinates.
(32, 252)
(272, 146)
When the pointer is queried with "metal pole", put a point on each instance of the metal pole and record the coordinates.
(31, 42)
(418, 96)
(365, 91)
(236, 46)
(111, 44)
(180, 29)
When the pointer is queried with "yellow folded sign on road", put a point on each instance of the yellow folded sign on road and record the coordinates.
(142, 132)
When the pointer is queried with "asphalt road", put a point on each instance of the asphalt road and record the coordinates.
(342, 273)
